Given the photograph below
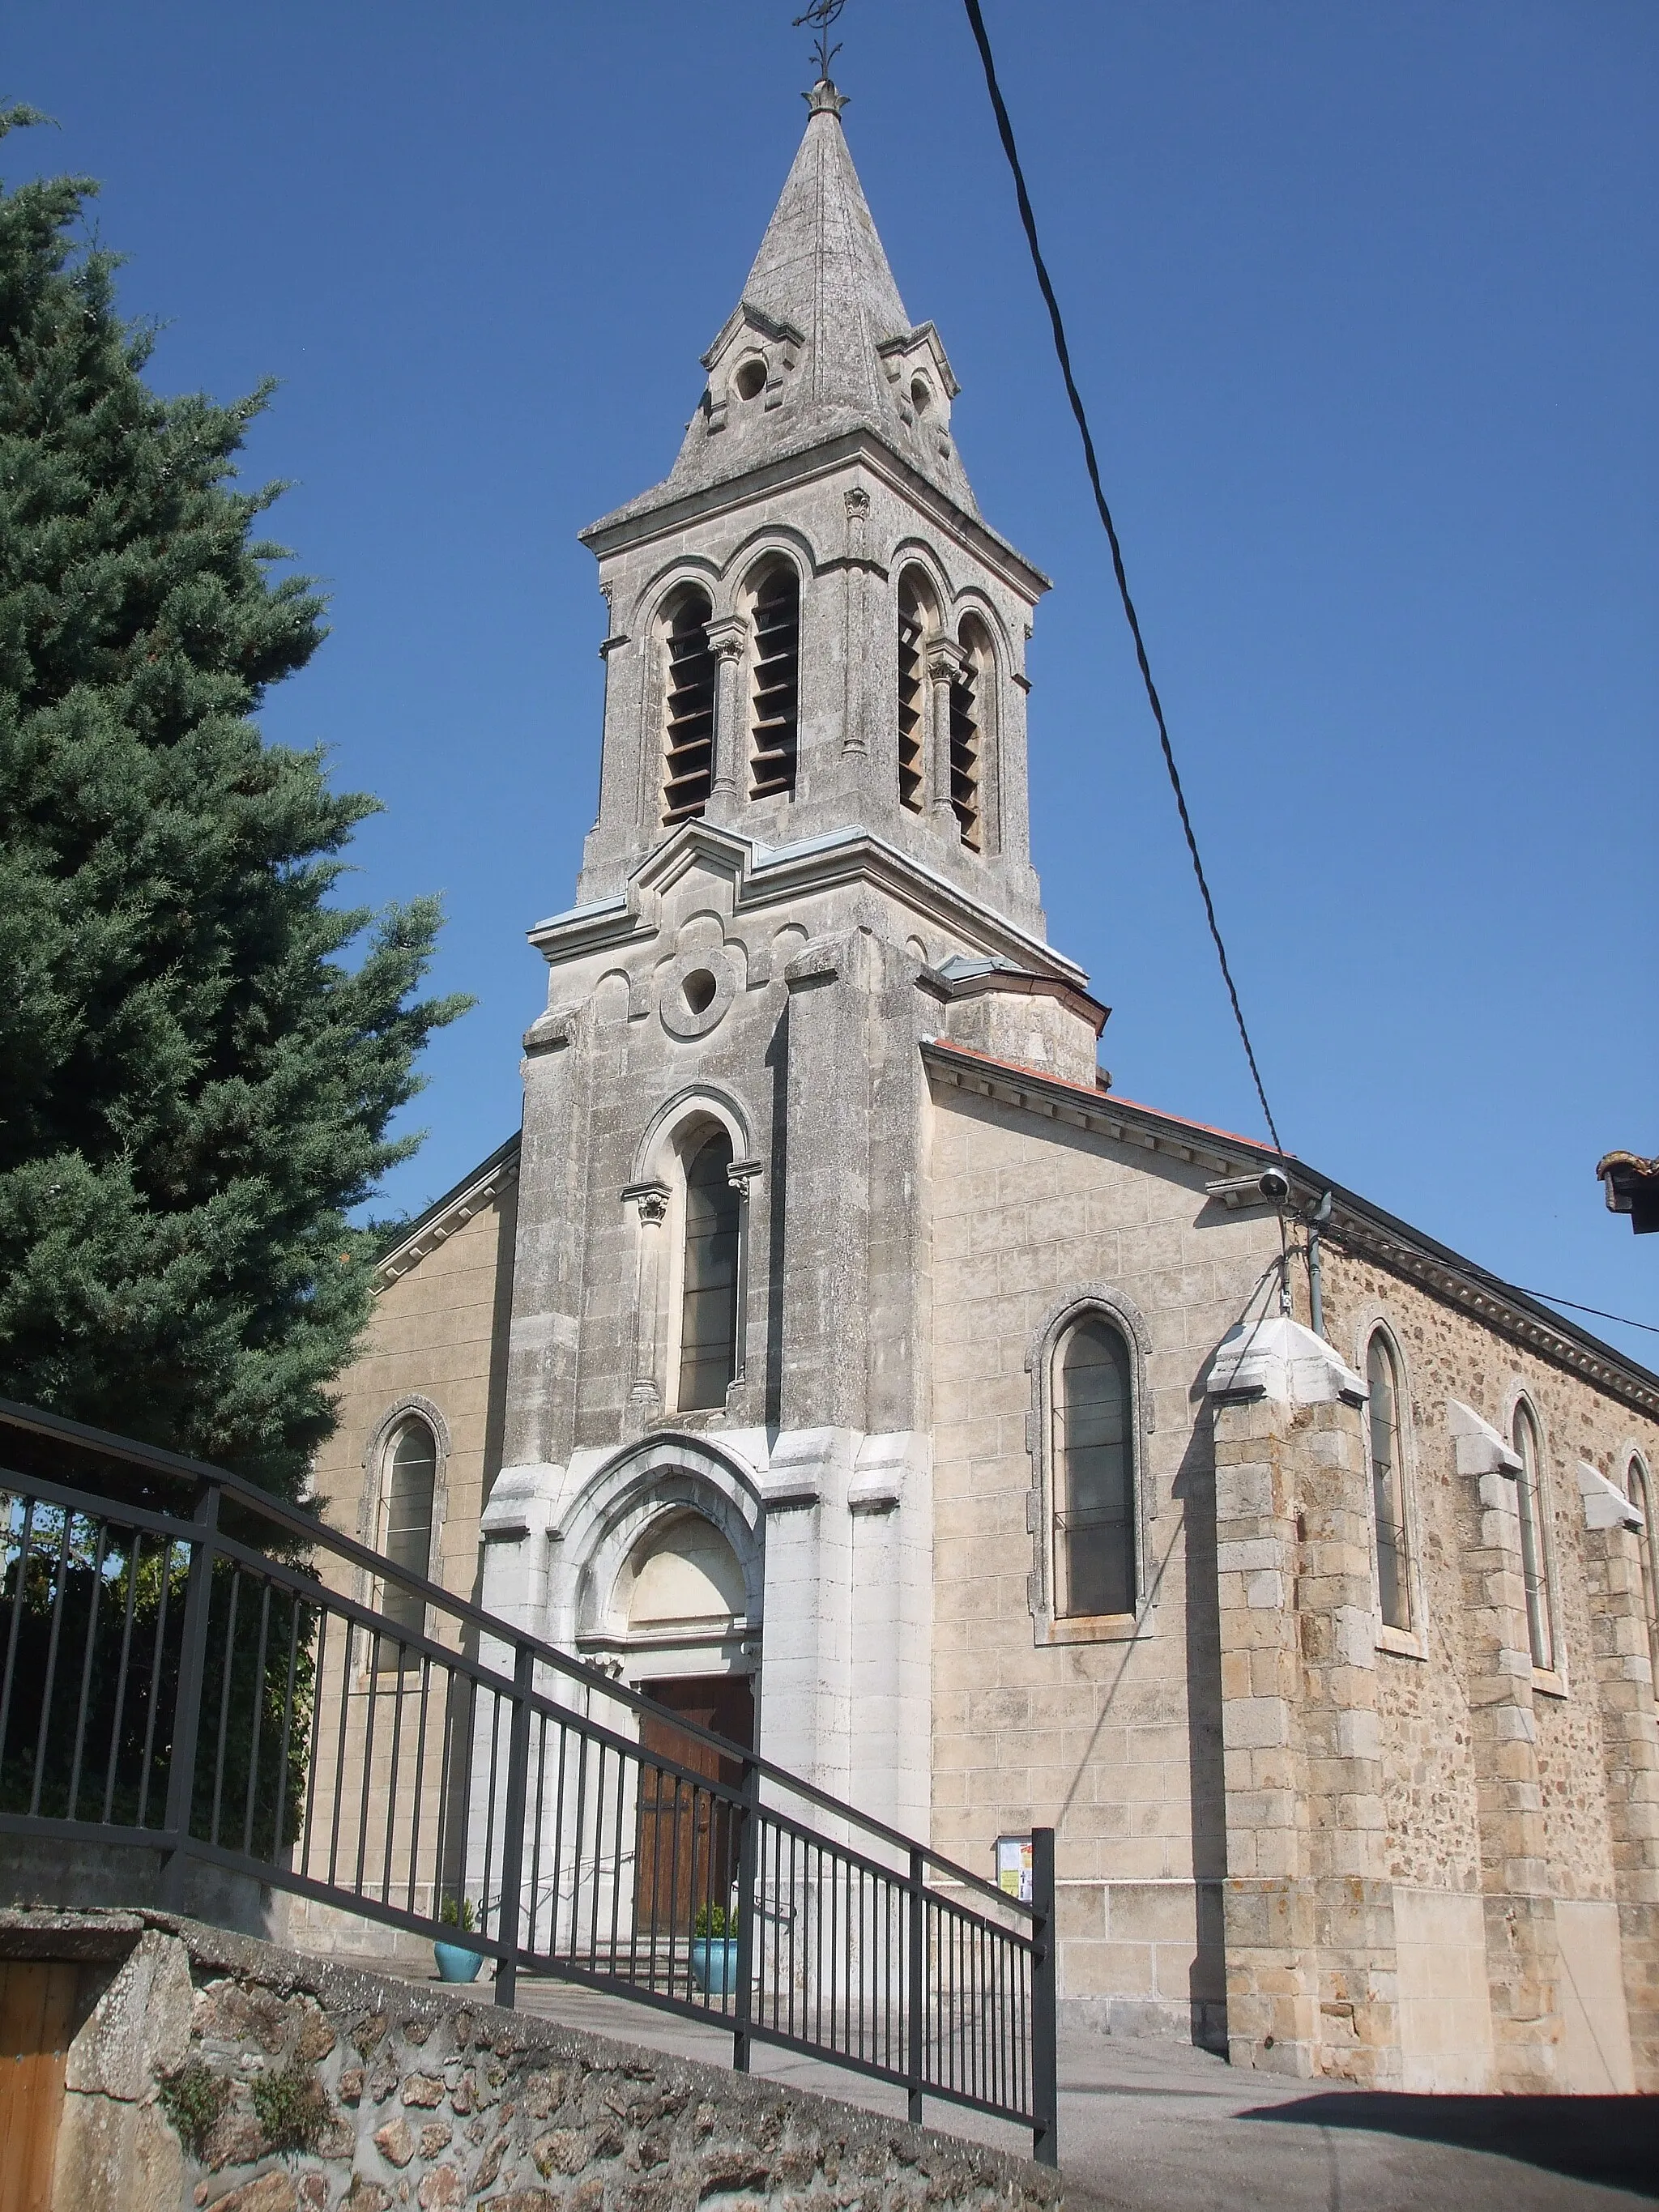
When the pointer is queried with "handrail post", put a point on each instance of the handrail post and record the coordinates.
(187, 1700)
(916, 1980)
(1045, 2064)
(748, 1843)
(513, 1818)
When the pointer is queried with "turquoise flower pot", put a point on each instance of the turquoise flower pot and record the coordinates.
(715, 1964)
(456, 1963)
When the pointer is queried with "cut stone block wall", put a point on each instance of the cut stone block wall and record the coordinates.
(1110, 1733)
(214, 2072)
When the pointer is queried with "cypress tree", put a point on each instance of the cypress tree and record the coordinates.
(195, 1087)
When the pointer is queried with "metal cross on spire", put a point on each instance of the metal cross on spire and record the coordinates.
(821, 16)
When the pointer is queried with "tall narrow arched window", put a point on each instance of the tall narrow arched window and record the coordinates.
(967, 703)
(912, 694)
(689, 709)
(1094, 1474)
(777, 683)
(708, 1298)
(409, 1474)
(1534, 1557)
(1393, 1595)
(1639, 1490)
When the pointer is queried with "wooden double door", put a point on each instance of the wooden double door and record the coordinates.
(686, 1854)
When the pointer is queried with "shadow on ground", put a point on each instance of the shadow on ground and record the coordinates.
(1614, 2140)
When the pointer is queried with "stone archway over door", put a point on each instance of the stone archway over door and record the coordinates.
(687, 1839)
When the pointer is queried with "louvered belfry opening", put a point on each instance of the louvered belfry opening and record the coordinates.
(777, 683)
(912, 724)
(688, 764)
(965, 751)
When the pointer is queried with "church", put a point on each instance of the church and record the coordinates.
(836, 1355)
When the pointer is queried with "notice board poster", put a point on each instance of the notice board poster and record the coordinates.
(1014, 1866)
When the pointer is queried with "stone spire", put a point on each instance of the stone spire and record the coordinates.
(819, 343)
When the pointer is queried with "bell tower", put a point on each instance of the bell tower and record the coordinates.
(811, 853)
(813, 631)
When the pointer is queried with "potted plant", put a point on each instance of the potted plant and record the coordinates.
(715, 1950)
(458, 1962)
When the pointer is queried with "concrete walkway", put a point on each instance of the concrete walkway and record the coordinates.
(1158, 2127)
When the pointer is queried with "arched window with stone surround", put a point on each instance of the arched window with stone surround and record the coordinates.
(917, 619)
(710, 1269)
(688, 705)
(775, 615)
(1387, 1457)
(1093, 1471)
(409, 1474)
(1638, 1488)
(1534, 1554)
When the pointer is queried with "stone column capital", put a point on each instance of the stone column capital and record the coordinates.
(727, 636)
(651, 1198)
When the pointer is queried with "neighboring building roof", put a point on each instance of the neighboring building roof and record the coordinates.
(448, 1213)
(821, 302)
(1632, 1186)
(1354, 1220)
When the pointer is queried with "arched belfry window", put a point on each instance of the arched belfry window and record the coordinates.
(1393, 1579)
(969, 689)
(913, 622)
(709, 1297)
(1535, 1556)
(777, 683)
(689, 708)
(409, 1473)
(1094, 1471)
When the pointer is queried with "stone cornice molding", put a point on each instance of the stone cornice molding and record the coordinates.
(765, 875)
(498, 1174)
(1355, 1224)
(638, 525)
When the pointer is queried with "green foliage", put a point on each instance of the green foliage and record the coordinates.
(192, 2100)
(715, 1920)
(195, 1089)
(456, 1912)
(291, 2107)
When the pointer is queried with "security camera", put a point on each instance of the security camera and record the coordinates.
(1272, 1184)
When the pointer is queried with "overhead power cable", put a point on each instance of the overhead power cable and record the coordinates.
(1546, 1297)
(1006, 132)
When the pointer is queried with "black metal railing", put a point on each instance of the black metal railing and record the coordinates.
(194, 1667)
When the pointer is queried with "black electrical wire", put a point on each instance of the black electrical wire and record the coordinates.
(1544, 1298)
(1006, 132)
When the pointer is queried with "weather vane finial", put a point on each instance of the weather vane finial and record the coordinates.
(821, 15)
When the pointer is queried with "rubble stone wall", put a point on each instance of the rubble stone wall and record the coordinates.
(215, 2073)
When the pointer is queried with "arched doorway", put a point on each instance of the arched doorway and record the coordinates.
(686, 1606)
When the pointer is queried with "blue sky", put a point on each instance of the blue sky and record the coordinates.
(1363, 301)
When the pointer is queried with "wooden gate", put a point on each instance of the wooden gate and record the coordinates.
(37, 2019)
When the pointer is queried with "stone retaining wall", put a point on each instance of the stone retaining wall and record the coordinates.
(215, 2073)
